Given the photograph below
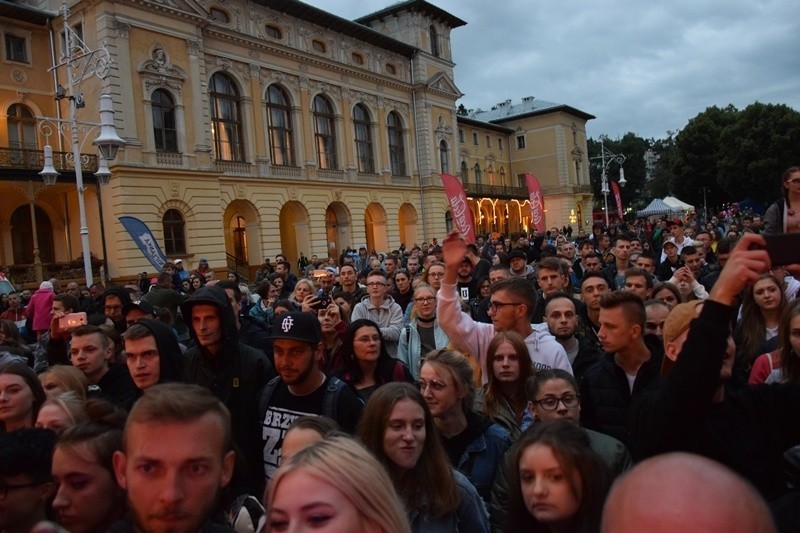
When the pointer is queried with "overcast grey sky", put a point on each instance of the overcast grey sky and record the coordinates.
(637, 65)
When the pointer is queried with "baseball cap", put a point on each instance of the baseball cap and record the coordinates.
(679, 320)
(670, 243)
(204, 260)
(178, 262)
(517, 253)
(298, 326)
(143, 305)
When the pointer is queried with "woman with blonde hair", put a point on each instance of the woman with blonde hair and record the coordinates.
(422, 334)
(349, 488)
(59, 379)
(61, 412)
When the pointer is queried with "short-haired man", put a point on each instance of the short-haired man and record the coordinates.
(724, 248)
(512, 303)
(15, 312)
(152, 353)
(91, 352)
(562, 321)
(593, 286)
(639, 282)
(219, 361)
(177, 456)
(164, 296)
(480, 266)
(381, 308)
(26, 484)
(656, 313)
(252, 332)
(552, 276)
(585, 249)
(688, 275)
(284, 270)
(496, 273)
(646, 262)
(615, 272)
(348, 283)
(678, 238)
(628, 366)
(390, 266)
(301, 388)
(412, 265)
(467, 283)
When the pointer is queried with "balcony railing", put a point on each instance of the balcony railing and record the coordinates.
(23, 158)
(23, 273)
(169, 159)
(237, 168)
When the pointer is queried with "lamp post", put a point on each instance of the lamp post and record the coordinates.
(607, 157)
(82, 63)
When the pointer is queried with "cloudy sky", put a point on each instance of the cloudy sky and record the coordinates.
(637, 65)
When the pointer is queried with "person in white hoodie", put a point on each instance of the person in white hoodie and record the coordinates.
(512, 300)
(381, 309)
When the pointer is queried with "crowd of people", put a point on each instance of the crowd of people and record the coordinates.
(638, 378)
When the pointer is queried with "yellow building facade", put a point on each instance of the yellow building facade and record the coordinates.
(497, 147)
(257, 127)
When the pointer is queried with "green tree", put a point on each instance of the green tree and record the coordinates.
(756, 149)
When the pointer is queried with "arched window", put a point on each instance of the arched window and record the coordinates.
(226, 119)
(397, 149)
(21, 128)
(324, 133)
(464, 172)
(444, 157)
(174, 232)
(363, 126)
(434, 37)
(279, 113)
(165, 133)
(477, 170)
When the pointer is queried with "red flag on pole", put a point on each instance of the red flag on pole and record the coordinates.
(617, 198)
(462, 216)
(537, 201)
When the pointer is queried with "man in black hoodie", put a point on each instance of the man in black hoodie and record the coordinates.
(152, 353)
(233, 371)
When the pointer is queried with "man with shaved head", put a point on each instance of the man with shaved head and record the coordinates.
(684, 492)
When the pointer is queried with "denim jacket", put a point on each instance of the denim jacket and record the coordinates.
(481, 457)
(470, 516)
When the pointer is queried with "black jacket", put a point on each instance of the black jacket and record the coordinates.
(124, 297)
(235, 375)
(748, 431)
(170, 358)
(116, 386)
(606, 395)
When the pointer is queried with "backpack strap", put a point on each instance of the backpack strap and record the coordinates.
(265, 397)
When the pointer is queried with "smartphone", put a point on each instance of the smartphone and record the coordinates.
(324, 302)
(72, 321)
(783, 248)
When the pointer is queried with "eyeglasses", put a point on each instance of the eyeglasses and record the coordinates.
(494, 306)
(793, 181)
(112, 308)
(434, 384)
(436, 274)
(550, 403)
(4, 489)
(427, 300)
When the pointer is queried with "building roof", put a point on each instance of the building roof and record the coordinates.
(461, 119)
(414, 5)
(24, 13)
(329, 21)
(529, 106)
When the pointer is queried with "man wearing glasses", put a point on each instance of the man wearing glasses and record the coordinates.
(26, 485)
(512, 302)
(381, 309)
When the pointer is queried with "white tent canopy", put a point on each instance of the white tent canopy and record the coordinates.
(678, 205)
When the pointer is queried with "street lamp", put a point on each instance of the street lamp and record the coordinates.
(607, 157)
(82, 63)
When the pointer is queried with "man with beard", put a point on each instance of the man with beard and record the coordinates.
(301, 387)
(177, 456)
(562, 321)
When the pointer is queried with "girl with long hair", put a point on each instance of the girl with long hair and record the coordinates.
(473, 442)
(503, 398)
(781, 365)
(366, 365)
(398, 428)
(21, 396)
(757, 330)
(556, 481)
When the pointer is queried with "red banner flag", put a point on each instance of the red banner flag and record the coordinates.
(462, 216)
(537, 201)
(617, 198)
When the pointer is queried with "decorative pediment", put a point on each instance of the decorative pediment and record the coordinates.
(158, 71)
(441, 82)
